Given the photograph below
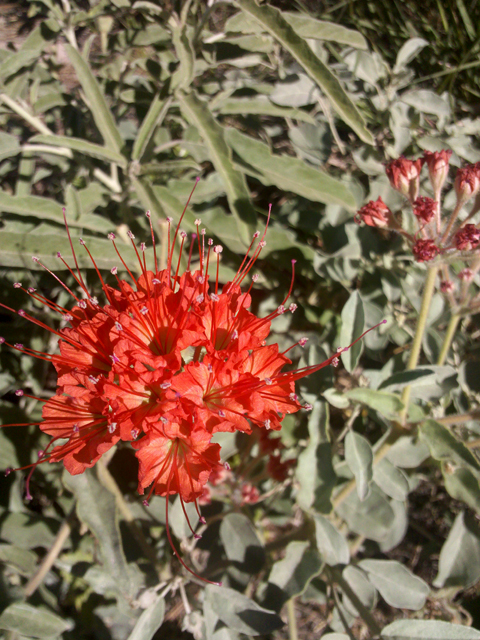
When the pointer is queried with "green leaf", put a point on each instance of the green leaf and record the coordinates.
(240, 613)
(396, 584)
(96, 100)
(445, 447)
(287, 173)
(371, 518)
(462, 485)
(272, 21)
(197, 113)
(292, 574)
(241, 543)
(359, 457)
(82, 146)
(14, 62)
(178, 522)
(459, 561)
(9, 146)
(392, 481)
(408, 51)
(28, 531)
(154, 118)
(428, 630)
(388, 404)
(408, 453)
(261, 105)
(308, 27)
(215, 629)
(314, 472)
(43, 209)
(23, 560)
(353, 324)
(185, 73)
(361, 586)
(96, 508)
(149, 622)
(331, 543)
(17, 250)
(32, 622)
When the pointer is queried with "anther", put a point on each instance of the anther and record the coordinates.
(35, 259)
(81, 241)
(7, 472)
(22, 313)
(148, 214)
(202, 520)
(134, 433)
(214, 297)
(18, 345)
(118, 326)
(210, 242)
(217, 248)
(165, 385)
(197, 536)
(82, 304)
(112, 427)
(144, 311)
(256, 234)
(293, 397)
(221, 413)
(281, 309)
(2, 340)
(75, 428)
(200, 298)
(234, 334)
(184, 235)
(94, 300)
(307, 406)
(268, 381)
(293, 307)
(111, 236)
(59, 255)
(266, 424)
(335, 362)
(156, 281)
(226, 466)
(146, 503)
(93, 379)
(169, 219)
(262, 244)
(200, 279)
(114, 271)
(255, 277)
(17, 285)
(303, 341)
(67, 317)
(203, 232)
(31, 290)
(19, 393)
(130, 235)
(198, 222)
(114, 359)
(143, 246)
(164, 420)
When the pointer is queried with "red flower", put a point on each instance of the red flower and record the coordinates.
(123, 372)
(467, 238)
(425, 209)
(437, 162)
(404, 176)
(425, 250)
(375, 214)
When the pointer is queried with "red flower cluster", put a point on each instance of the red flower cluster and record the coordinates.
(164, 364)
(467, 238)
(424, 250)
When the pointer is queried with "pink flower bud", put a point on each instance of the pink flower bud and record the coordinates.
(447, 286)
(404, 176)
(466, 274)
(425, 250)
(375, 214)
(425, 209)
(437, 163)
(467, 182)
(467, 238)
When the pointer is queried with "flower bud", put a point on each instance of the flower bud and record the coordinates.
(467, 182)
(425, 250)
(375, 214)
(467, 238)
(437, 163)
(446, 286)
(425, 209)
(404, 176)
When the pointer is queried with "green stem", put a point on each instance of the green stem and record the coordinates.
(447, 341)
(292, 621)
(428, 291)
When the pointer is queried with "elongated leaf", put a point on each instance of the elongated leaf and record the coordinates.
(240, 613)
(396, 584)
(331, 543)
(197, 113)
(393, 481)
(97, 509)
(388, 404)
(428, 630)
(315, 474)
(361, 586)
(32, 622)
(185, 73)
(461, 484)
(308, 27)
(262, 106)
(286, 173)
(149, 622)
(290, 576)
(9, 146)
(359, 457)
(445, 447)
(98, 105)
(241, 542)
(43, 209)
(272, 21)
(353, 323)
(459, 561)
(82, 146)
(152, 120)
(371, 518)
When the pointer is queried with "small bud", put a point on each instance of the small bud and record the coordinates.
(467, 238)
(446, 286)
(466, 275)
(404, 176)
(376, 214)
(467, 182)
(425, 250)
(437, 163)
(425, 209)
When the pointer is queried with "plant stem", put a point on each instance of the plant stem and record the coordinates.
(447, 341)
(48, 561)
(364, 612)
(292, 621)
(428, 290)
